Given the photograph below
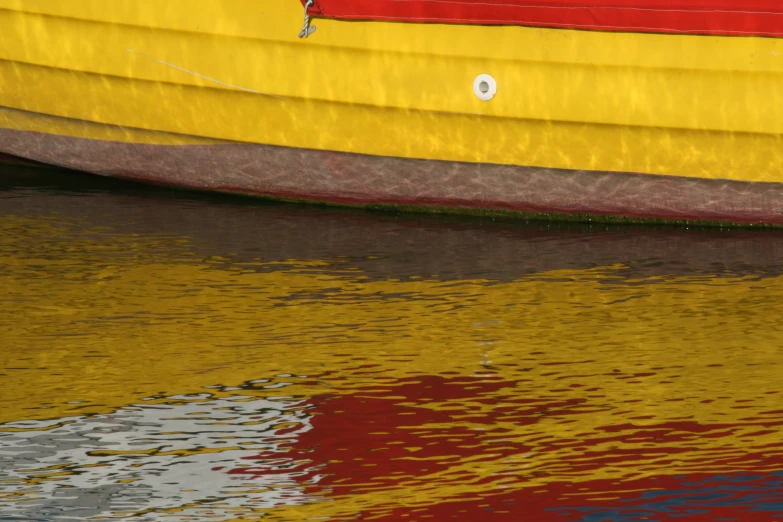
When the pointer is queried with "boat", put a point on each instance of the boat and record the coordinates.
(575, 109)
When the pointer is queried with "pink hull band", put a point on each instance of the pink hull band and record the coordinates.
(346, 178)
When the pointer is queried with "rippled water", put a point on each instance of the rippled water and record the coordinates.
(174, 356)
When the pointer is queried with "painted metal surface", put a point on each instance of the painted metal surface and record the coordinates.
(682, 106)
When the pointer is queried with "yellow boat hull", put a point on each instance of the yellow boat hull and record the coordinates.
(226, 97)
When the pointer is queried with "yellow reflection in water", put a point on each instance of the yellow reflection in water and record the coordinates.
(103, 320)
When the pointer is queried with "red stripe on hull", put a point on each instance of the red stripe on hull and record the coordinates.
(716, 17)
(361, 179)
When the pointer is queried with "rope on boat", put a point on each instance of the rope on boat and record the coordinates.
(307, 29)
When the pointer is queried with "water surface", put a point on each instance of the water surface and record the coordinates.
(176, 356)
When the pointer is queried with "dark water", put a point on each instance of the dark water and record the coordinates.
(173, 356)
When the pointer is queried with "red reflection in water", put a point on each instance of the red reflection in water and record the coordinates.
(412, 433)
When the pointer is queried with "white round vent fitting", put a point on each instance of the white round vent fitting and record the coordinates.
(485, 87)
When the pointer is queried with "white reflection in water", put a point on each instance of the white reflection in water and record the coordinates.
(170, 454)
